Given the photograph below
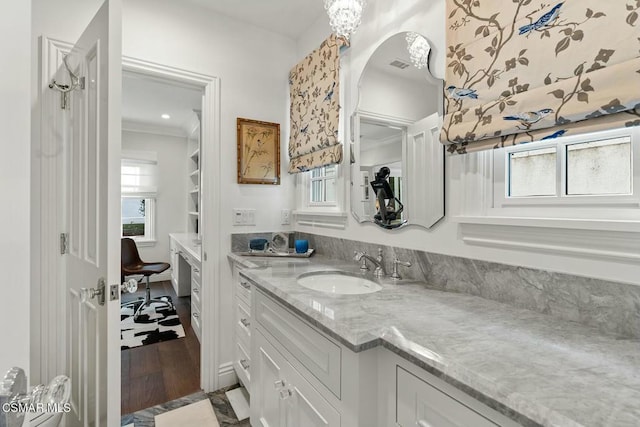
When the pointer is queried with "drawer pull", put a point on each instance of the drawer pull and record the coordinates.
(196, 290)
(245, 285)
(279, 384)
(196, 315)
(245, 322)
(196, 270)
(245, 364)
(422, 423)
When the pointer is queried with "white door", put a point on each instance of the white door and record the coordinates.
(92, 215)
(305, 406)
(424, 156)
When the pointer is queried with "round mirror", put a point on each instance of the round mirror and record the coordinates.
(397, 165)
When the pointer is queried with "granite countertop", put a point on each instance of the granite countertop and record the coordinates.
(537, 369)
(190, 243)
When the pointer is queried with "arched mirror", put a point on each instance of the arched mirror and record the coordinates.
(397, 162)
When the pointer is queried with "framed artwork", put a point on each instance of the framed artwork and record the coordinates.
(258, 152)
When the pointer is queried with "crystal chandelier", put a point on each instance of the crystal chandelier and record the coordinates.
(344, 15)
(419, 49)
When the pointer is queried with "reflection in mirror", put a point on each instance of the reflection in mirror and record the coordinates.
(381, 171)
(397, 161)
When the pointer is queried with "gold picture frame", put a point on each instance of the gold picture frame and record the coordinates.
(258, 152)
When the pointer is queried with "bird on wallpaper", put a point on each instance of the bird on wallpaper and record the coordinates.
(461, 93)
(528, 118)
(330, 93)
(543, 21)
(305, 129)
(556, 134)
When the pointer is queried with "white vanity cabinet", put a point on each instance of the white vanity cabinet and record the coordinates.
(412, 397)
(281, 396)
(300, 377)
(242, 328)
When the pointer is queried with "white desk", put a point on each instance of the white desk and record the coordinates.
(185, 273)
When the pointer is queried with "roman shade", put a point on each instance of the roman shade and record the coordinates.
(520, 71)
(314, 87)
(139, 174)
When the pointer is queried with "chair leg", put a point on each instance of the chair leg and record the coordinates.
(148, 300)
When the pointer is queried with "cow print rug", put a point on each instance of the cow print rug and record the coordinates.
(156, 323)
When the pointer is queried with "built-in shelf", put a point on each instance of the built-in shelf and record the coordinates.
(193, 213)
(195, 154)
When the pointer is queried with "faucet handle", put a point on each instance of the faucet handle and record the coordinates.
(361, 256)
(395, 275)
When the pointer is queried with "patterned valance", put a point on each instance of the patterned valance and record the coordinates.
(314, 86)
(520, 71)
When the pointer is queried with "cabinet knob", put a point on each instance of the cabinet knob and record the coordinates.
(245, 285)
(196, 315)
(278, 384)
(245, 364)
(245, 322)
(285, 393)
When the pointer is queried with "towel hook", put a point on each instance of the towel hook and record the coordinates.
(76, 83)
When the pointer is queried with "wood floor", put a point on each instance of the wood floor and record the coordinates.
(157, 373)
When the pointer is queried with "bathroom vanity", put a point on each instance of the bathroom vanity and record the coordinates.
(410, 356)
(186, 264)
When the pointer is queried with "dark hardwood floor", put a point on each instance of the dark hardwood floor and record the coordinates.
(157, 373)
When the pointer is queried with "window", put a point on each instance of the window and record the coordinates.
(138, 176)
(322, 184)
(594, 170)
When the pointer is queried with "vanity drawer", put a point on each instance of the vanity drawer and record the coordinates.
(196, 292)
(318, 354)
(243, 323)
(243, 290)
(242, 364)
(196, 320)
(418, 403)
(195, 272)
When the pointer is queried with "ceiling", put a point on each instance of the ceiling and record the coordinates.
(395, 48)
(374, 135)
(290, 18)
(145, 100)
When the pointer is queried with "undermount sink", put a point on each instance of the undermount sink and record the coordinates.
(338, 283)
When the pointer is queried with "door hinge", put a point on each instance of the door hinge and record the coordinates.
(64, 243)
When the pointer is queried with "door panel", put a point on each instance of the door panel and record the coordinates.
(267, 368)
(306, 406)
(91, 134)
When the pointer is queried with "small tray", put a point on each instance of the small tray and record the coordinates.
(277, 254)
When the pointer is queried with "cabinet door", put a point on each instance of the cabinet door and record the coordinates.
(422, 405)
(267, 381)
(304, 405)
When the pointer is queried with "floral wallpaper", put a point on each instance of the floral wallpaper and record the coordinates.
(314, 85)
(521, 70)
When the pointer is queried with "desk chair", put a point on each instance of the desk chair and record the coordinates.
(132, 265)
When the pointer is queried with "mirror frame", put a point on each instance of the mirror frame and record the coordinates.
(354, 147)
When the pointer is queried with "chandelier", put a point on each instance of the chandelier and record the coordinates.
(419, 49)
(344, 15)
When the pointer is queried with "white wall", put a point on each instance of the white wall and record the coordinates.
(383, 93)
(381, 20)
(171, 203)
(15, 29)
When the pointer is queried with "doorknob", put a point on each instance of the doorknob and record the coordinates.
(130, 286)
(90, 293)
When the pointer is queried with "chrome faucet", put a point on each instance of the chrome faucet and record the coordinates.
(378, 262)
(396, 262)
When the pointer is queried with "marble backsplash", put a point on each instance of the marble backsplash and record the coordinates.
(612, 307)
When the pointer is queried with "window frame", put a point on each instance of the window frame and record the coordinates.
(149, 238)
(501, 158)
(323, 178)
